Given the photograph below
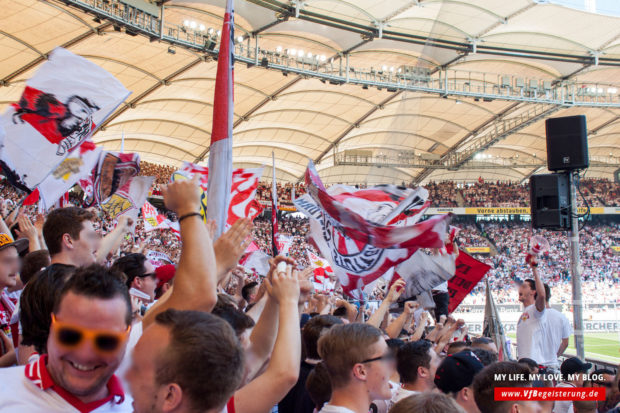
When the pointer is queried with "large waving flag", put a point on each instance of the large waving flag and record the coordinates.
(242, 192)
(350, 228)
(220, 152)
(75, 167)
(63, 104)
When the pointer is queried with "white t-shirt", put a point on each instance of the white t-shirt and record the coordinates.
(563, 406)
(328, 408)
(557, 328)
(530, 337)
(30, 389)
(402, 393)
(134, 336)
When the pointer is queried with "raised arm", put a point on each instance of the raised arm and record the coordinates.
(262, 393)
(195, 281)
(230, 246)
(395, 291)
(394, 329)
(541, 298)
(113, 240)
(28, 231)
(263, 335)
(419, 330)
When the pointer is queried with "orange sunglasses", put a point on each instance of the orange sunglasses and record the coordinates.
(71, 336)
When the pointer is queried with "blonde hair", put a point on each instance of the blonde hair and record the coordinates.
(343, 346)
(430, 402)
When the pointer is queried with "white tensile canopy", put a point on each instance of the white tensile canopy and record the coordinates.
(168, 117)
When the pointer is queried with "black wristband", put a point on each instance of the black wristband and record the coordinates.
(191, 214)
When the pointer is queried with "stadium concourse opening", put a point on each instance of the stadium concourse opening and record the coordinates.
(308, 206)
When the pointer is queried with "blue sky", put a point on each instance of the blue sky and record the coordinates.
(610, 7)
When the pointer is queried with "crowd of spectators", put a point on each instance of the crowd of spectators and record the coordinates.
(253, 336)
(600, 263)
(446, 194)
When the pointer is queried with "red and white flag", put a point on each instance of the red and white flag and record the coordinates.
(348, 227)
(243, 190)
(63, 104)
(152, 219)
(113, 171)
(220, 152)
(284, 244)
(322, 271)
(75, 167)
(128, 199)
(257, 262)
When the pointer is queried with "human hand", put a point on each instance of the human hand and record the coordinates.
(231, 245)
(38, 223)
(410, 307)
(395, 291)
(284, 286)
(26, 228)
(124, 222)
(424, 318)
(305, 284)
(183, 197)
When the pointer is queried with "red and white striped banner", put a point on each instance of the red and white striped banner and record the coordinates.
(220, 153)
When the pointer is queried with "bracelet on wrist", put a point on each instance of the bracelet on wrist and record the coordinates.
(191, 214)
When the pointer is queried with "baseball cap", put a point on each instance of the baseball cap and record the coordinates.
(573, 366)
(457, 371)
(6, 241)
(164, 274)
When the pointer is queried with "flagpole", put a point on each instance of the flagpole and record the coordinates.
(123, 142)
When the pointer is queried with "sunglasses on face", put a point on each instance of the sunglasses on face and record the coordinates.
(389, 358)
(105, 342)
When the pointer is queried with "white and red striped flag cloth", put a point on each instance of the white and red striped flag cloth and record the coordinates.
(75, 167)
(360, 231)
(242, 192)
(220, 152)
(63, 104)
(152, 218)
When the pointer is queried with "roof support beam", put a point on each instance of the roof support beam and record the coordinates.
(150, 90)
(65, 45)
(354, 125)
(250, 112)
(427, 171)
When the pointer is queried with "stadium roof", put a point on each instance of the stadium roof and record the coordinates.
(519, 56)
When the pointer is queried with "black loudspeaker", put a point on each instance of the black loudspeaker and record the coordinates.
(550, 201)
(567, 143)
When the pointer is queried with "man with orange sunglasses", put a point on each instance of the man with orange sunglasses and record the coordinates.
(90, 327)
(91, 323)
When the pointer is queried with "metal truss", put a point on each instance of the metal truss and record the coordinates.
(393, 160)
(443, 82)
